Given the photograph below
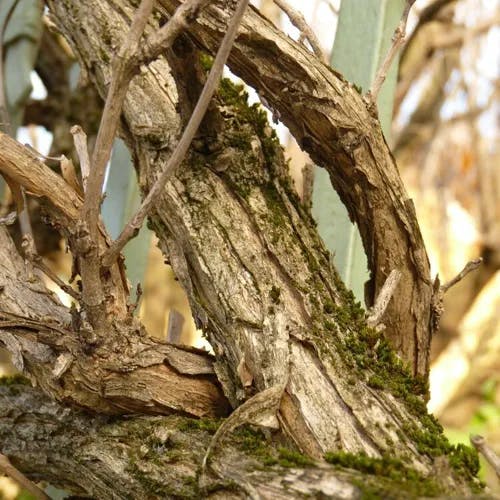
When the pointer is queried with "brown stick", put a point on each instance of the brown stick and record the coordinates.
(470, 266)
(80, 140)
(132, 227)
(160, 41)
(297, 19)
(21, 479)
(397, 41)
(490, 456)
(30, 253)
(122, 72)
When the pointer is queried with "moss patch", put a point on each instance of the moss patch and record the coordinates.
(388, 468)
(16, 379)
(254, 442)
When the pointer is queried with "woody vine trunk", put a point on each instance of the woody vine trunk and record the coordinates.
(258, 277)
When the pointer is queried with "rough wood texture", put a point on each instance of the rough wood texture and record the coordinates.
(129, 373)
(330, 120)
(246, 250)
(154, 457)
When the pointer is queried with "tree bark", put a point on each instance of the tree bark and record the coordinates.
(247, 252)
(159, 457)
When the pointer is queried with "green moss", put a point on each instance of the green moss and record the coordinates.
(209, 425)
(376, 382)
(290, 458)
(275, 294)
(392, 469)
(253, 442)
(206, 61)
(234, 95)
(16, 379)
(328, 307)
(329, 325)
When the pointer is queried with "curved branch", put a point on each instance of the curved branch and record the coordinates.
(330, 120)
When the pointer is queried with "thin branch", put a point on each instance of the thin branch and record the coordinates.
(162, 39)
(383, 298)
(123, 67)
(35, 259)
(122, 72)
(297, 19)
(21, 479)
(133, 226)
(397, 41)
(470, 266)
(479, 442)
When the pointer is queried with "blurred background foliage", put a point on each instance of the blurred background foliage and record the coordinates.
(443, 130)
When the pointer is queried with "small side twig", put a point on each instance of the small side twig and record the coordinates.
(383, 299)
(165, 36)
(35, 259)
(7, 467)
(133, 226)
(297, 19)
(479, 442)
(397, 41)
(470, 266)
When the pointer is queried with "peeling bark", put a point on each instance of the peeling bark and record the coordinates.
(159, 457)
(247, 252)
(127, 374)
(330, 120)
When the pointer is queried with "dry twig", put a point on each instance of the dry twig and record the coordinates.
(490, 456)
(35, 259)
(297, 19)
(123, 68)
(133, 226)
(470, 266)
(162, 39)
(21, 479)
(397, 41)
(80, 140)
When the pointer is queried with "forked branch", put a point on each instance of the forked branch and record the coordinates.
(133, 226)
(122, 73)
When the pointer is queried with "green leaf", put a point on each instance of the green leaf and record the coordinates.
(121, 201)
